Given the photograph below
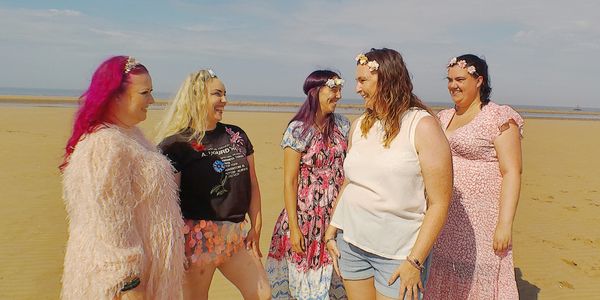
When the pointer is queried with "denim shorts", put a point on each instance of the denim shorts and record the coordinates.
(357, 264)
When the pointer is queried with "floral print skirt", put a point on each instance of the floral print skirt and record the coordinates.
(212, 241)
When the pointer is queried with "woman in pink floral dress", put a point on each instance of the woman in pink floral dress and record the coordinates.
(472, 258)
(314, 143)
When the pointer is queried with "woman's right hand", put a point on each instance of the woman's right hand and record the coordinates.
(297, 240)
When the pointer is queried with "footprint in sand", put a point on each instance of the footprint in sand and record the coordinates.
(571, 208)
(566, 284)
(554, 245)
(569, 262)
(585, 241)
(591, 202)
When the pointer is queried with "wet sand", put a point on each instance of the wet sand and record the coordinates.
(556, 238)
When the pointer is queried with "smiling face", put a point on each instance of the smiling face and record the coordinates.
(131, 106)
(328, 98)
(366, 85)
(216, 101)
(462, 86)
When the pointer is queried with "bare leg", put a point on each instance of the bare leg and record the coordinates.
(360, 289)
(247, 273)
(197, 282)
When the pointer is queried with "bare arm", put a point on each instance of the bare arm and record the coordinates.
(255, 213)
(508, 149)
(291, 169)
(436, 168)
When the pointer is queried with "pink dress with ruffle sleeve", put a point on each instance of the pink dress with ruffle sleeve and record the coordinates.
(464, 265)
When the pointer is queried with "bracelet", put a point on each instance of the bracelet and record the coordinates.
(131, 284)
(415, 263)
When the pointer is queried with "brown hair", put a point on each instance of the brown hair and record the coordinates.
(394, 94)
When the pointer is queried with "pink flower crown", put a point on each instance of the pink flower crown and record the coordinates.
(462, 64)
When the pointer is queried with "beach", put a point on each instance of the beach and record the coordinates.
(556, 236)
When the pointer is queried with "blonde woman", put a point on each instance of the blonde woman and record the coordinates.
(218, 187)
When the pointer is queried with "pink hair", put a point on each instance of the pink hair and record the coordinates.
(108, 81)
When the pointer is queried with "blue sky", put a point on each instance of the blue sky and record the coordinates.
(540, 52)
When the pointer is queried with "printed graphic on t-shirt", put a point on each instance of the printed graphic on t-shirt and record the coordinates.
(219, 189)
(231, 163)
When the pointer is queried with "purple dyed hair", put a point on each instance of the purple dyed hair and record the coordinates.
(307, 112)
(108, 81)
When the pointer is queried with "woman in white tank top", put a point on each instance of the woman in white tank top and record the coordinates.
(398, 186)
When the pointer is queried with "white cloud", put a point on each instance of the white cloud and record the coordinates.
(110, 33)
(64, 12)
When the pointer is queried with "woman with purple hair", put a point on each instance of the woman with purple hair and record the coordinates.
(314, 144)
(125, 225)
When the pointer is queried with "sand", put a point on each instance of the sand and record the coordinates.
(556, 238)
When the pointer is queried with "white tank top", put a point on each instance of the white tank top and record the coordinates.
(382, 207)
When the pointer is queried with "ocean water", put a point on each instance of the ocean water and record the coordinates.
(255, 98)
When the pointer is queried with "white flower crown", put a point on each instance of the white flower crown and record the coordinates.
(130, 64)
(364, 60)
(463, 64)
(211, 73)
(331, 83)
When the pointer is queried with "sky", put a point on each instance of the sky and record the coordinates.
(540, 52)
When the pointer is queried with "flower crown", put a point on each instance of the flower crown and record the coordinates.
(364, 60)
(331, 83)
(130, 64)
(211, 73)
(462, 64)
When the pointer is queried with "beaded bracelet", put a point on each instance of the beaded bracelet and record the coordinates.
(415, 263)
(131, 284)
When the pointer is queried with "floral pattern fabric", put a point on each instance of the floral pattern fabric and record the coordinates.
(464, 265)
(321, 174)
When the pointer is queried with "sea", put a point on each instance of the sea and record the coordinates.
(552, 112)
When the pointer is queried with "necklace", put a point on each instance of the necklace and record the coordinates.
(320, 128)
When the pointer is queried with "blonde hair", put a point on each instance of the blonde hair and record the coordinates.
(188, 109)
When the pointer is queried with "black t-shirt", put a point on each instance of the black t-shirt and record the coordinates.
(215, 177)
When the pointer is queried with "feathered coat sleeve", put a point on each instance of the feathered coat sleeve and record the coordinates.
(118, 248)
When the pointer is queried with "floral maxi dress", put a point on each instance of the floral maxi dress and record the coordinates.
(464, 265)
(321, 174)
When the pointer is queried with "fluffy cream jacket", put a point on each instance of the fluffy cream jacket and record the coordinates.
(124, 218)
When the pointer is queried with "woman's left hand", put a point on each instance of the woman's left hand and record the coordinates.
(502, 238)
(410, 280)
(253, 241)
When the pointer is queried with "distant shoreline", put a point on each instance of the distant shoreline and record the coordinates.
(58, 100)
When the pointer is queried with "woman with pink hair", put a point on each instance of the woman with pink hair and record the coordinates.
(125, 237)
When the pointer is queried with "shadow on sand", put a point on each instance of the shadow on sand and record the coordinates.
(527, 290)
